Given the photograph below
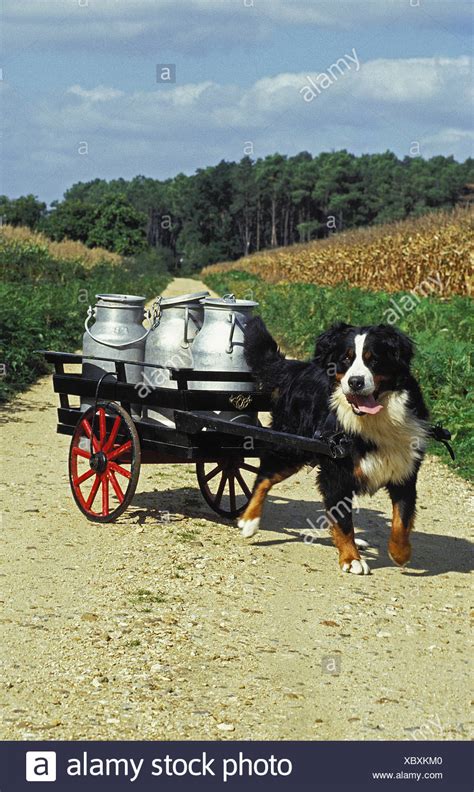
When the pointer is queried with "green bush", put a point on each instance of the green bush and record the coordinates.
(442, 330)
(46, 307)
(151, 262)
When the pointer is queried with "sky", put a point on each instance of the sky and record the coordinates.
(117, 88)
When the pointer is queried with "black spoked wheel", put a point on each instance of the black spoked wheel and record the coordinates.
(227, 485)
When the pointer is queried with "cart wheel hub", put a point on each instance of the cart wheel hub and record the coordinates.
(98, 462)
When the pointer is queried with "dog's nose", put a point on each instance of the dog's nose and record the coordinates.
(356, 383)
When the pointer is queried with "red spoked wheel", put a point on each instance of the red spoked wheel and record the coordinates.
(104, 462)
(227, 485)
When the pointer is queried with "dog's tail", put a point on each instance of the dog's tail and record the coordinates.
(262, 353)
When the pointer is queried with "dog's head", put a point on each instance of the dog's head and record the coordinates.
(365, 362)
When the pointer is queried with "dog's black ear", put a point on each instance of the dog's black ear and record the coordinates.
(327, 342)
(400, 346)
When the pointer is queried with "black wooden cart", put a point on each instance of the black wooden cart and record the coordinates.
(108, 445)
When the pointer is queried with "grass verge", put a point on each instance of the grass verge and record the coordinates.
(44, 300)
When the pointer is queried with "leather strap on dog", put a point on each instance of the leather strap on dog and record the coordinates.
(441, 435)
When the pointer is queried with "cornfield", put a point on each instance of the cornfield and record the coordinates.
(392, 257)
(18, 239)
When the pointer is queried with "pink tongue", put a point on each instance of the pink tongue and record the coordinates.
(366, 404)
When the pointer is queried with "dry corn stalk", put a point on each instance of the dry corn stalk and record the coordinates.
(390, 257)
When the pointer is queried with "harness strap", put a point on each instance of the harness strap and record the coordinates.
(329, 432)
(441, 435)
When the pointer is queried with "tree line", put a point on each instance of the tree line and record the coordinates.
(232, 209)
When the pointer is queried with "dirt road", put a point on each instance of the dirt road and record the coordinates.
(181, 629)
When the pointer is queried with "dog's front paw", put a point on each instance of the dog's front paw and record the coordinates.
(400, 553)
(249, 528)
(357, 567)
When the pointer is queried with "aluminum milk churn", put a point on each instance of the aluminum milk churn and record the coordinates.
(220, 347)
(176, 322)
(118, 333)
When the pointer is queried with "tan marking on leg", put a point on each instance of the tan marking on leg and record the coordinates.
(359, 473)
(345, 543)
(255, 507)
(399, 546)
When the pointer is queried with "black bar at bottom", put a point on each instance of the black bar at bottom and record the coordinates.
(188, 766)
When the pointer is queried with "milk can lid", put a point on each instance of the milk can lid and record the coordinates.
(221, 302)
(126, 299)
(184, 298)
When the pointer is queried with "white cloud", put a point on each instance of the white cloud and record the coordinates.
(386, 104)
(425, 84)
(449, 137)
(415, 79)
(99, 94)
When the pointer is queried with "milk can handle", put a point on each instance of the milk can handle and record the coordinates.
(90, 313)
(155, 313)
(185, 341)
(234, 322)
(230, 347)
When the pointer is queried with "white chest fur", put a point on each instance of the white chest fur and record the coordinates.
(400, 437)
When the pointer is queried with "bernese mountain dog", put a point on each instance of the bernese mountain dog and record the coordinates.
(359, 382)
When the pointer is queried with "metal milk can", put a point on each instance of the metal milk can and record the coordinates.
(117, 333)
(176, 322)
(220, 347)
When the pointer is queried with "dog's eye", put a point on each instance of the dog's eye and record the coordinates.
(347, 359)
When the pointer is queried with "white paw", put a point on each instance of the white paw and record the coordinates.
(249, 527)
(356, 567)
(361, 542)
